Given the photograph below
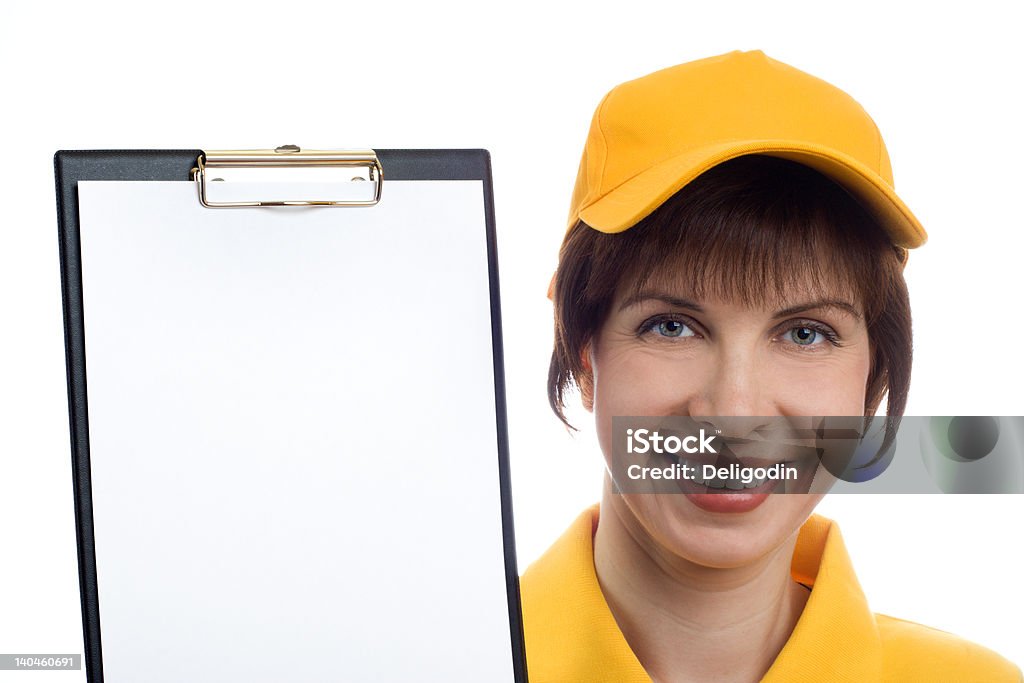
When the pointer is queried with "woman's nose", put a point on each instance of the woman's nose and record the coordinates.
(733, 386)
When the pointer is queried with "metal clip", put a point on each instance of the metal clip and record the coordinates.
(290, 157)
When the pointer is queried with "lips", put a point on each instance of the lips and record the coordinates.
(730, 489)
(725, 494)
(731, 502)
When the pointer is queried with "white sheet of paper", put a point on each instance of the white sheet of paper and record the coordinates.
(293, 438)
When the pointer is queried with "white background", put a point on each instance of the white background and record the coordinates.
(522, 81)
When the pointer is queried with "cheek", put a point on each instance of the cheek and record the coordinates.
(834, 386)
(636, 382)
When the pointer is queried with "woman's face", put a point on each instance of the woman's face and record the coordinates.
(662, 352)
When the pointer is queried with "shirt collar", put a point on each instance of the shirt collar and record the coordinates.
(570, 629)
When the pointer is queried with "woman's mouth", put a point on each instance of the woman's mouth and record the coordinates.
(728, 484)
(734, 477)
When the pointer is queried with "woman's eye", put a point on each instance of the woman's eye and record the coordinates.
(674, 328)
(806, 336)
(810, 336)
(671, 328)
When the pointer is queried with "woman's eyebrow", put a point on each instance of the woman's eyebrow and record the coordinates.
(646, 295)
(820, 303)
(680, 302)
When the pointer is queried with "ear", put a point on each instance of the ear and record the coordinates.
(585, 380)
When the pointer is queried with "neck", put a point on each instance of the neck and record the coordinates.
(687, 622)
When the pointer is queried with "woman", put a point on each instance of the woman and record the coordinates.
(735, 250)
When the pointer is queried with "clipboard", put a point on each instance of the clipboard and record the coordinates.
(223, 353)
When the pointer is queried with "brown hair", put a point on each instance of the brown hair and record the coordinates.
(747, 230)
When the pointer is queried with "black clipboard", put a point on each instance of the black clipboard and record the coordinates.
(186, 166)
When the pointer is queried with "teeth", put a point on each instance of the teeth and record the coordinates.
(718, 483)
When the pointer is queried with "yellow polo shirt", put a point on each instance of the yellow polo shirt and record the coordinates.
(572, 637)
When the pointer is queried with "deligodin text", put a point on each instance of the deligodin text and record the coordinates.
(777, 472)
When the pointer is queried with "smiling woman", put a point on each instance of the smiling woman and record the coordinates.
(745, 294)
(735, 254)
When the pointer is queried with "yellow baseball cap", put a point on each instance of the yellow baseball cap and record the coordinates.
(651, 136)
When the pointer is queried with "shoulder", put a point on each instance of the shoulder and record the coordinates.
(570, 633)
(914, 652)
(559, 579)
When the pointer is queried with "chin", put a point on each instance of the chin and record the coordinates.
(721, 539)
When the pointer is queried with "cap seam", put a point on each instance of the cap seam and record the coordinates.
(878, 136)
(604, 140)
(626, 180)
(878, 140)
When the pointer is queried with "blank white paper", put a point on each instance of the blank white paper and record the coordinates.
(293, 437)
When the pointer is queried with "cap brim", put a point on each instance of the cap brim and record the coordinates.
(625, 205)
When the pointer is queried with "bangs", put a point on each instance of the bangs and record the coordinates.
(757, 231)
